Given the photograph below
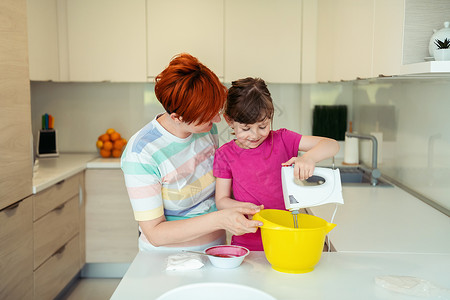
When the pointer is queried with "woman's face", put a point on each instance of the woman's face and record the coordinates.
(249, 136)
(195, 127)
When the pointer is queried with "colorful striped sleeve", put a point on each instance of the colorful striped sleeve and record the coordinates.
(143, 184)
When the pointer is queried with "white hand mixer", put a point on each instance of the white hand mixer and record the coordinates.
(322, 188)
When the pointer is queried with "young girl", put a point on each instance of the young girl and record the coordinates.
(248, 169)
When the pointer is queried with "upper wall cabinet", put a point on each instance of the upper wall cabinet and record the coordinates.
(369, 38)
(83, 40)
(194, 26)
(401, 33)
(43, 40)
(106, 40)
(263, 39)
(344, 39)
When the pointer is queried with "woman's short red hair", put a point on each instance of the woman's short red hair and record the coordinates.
(189, 89)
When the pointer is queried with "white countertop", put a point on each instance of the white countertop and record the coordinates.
(375, 228)
(53, 170)
(336, 276)
(380, 231)
(104, 163)
(386, 219)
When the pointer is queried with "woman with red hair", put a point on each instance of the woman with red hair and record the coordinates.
(168, 164)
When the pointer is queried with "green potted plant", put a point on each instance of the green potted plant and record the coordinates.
(443, 49)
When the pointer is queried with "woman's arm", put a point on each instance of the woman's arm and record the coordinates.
(316, 149)
(162, 233)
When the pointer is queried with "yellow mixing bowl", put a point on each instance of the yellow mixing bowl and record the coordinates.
(289, 249)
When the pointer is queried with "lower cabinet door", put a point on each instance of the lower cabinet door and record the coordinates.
(16, 251)
(54, 230)
(52, 276)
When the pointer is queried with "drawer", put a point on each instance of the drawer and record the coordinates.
(56, 195)
(16, 246)
(57, 271)
(54, 229)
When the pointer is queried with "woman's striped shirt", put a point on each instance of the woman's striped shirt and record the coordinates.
(167, 175)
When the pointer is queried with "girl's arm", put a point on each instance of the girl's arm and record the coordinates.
(162, 233)
(316, 149)
(223, 196)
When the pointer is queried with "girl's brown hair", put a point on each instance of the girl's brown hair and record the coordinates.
(249, 101)
(189, 89)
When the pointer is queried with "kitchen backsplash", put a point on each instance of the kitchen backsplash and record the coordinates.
(413, 115)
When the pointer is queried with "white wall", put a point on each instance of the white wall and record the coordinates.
(412, 114)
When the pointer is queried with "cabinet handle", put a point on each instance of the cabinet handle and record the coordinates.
(60, 250)
(60, 207)
(13, 206)
(60, 182)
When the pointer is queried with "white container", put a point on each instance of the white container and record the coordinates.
(441, 34)
(441, 54)
(351, 151)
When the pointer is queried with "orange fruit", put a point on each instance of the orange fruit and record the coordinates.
(115, 136)
(116, 153)
(107, 145)
(105, 153)
(110, 131)
(99, 144)
(118, 144)
(104, 137)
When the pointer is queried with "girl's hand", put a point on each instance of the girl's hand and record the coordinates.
(235, 221)
(303, 167)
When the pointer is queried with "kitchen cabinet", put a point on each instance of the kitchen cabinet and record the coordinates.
(43, 37)
(16, 251)
(15, 113)
(111, 231)
(369, 38)
(106, 39)
(344, 39)
(194, 26)
(58, 240)
(402, 32)
(16, 242)
(263, 38)
(89, 41)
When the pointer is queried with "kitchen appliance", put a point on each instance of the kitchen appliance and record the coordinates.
(293, 242)
(322, 188)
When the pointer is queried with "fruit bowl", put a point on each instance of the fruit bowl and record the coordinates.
(111, 144)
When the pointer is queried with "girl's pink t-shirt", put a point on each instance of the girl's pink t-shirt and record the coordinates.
(256, 174)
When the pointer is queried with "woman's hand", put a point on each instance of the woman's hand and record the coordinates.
(303, 167)
(235, 221)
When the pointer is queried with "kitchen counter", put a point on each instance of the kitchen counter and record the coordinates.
(380, 231)
(386, 220)
(53, 170)
(104, 163)
(336, 276)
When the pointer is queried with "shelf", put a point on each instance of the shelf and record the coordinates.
(429, 69)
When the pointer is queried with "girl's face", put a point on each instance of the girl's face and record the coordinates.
(249, 136)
